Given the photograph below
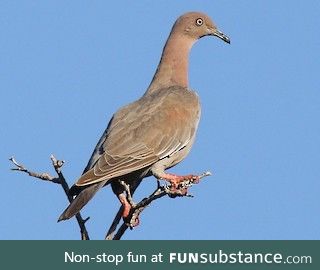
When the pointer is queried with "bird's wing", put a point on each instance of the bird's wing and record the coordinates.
(150, 129)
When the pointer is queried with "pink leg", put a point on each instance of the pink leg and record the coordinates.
(175, 180)
(126, 205)
(179, 184)
(127, 208)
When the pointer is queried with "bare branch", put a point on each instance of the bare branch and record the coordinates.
(120, 232)
(57, 164)
(41, 176)
(136, 208)
(114, 225)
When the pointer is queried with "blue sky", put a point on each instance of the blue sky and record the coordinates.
(66, 67)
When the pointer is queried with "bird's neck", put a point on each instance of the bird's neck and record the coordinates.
(173, 67)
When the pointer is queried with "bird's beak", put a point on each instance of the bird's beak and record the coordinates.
(220, 35)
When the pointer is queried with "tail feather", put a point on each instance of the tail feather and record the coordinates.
(81, 200)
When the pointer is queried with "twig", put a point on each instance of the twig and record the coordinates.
(114, 224)
(42, 176)
(57, 164)
(133, 219)
(120, 231)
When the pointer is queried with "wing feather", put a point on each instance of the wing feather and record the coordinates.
(142, 133)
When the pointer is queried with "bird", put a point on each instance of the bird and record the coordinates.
(153, 133)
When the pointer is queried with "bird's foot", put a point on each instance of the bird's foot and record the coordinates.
(177, 181)
(179, 184)
(133, 222)
(126, 205)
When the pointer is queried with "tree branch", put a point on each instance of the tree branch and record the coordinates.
(114, 224)
(133, 219)
(57, 164)
(136, 208)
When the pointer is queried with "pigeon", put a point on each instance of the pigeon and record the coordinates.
(154, 133)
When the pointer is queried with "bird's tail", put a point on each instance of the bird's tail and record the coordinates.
(81, 200)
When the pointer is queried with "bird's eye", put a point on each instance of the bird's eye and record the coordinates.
(199, 22)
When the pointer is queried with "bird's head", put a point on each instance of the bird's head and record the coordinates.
(196, 25)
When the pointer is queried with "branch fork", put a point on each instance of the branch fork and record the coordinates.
(57, 165)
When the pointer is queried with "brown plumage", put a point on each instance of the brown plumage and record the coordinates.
(153, 133)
